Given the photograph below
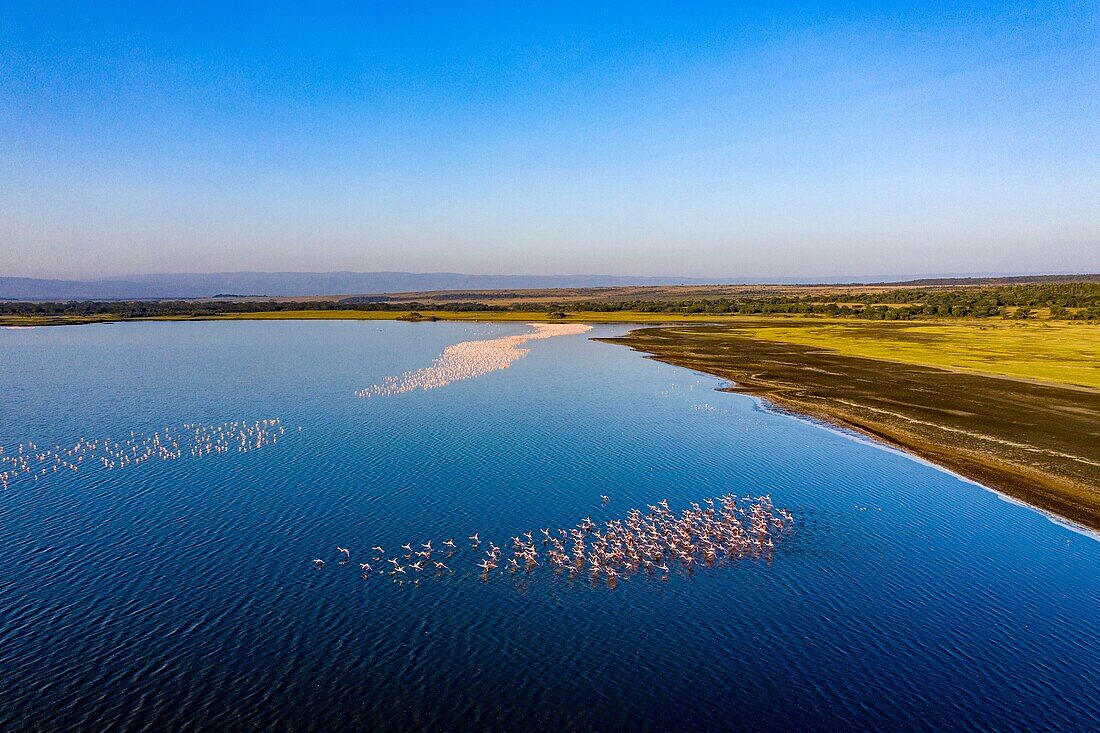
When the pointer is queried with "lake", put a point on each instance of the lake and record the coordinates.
(179, 592)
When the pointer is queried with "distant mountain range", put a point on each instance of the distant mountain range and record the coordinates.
(289, 284)
(300, 284)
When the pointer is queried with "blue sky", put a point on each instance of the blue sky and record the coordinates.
(713, 139)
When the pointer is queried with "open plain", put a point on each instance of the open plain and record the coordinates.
(1013, 407)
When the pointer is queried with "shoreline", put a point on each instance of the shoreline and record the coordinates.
(865, 438)
(789, 380)
(638, 318)
(1026, 439)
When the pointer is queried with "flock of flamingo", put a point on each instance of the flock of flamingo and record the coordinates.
(654, 543)
(27, 460)
(463, 360)
(470, 359)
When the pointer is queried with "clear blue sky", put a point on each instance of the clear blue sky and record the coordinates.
(712, 139)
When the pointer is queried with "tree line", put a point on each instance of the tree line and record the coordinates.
(1068, 301)
(125, 309)
(1064, 301)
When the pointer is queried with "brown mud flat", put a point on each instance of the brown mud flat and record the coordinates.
(1035, 442)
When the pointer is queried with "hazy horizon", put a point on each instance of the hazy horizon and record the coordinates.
(854, 277)
(696, 141)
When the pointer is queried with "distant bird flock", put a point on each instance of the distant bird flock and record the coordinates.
(194, 440)
(653, 543)
(470, 359)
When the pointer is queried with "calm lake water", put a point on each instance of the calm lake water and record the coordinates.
(180, 594)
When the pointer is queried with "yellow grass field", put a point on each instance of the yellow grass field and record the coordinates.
(1047, 351)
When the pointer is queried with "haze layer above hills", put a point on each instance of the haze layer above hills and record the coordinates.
(284, 284)
(290, 284)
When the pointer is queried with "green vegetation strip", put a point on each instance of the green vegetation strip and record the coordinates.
(1069, 301)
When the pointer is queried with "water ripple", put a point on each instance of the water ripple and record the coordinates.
(178, 595)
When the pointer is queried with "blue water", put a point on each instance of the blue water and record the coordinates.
(180, 594)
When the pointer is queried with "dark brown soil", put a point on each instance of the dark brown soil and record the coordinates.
(1038, 443)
